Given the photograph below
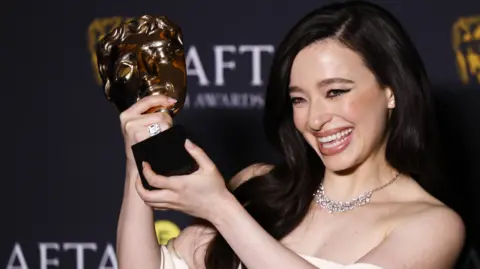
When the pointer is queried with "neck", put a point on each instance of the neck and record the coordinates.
(345, 185)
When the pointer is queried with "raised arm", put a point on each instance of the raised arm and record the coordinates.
(137, 245)
(204, 194)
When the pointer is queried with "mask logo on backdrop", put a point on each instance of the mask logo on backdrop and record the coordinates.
(166, 230)
(222, 76)
(466, 46)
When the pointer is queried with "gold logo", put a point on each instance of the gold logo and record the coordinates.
(466, 46)
(96, 31)
(165, 231)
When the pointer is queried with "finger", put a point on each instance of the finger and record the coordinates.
(145, 104)
(138, 130)
(163, 196)
(155, 180)
(161, 118)
(200, 156)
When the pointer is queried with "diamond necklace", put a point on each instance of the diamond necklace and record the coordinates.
(337, 207)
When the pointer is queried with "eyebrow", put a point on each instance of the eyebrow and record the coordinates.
(323, 83)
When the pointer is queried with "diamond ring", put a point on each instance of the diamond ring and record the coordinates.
(153, 129)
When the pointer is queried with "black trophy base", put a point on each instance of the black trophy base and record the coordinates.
(166, 154)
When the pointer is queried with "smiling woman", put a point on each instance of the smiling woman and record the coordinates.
(348, 108)
(338, 105)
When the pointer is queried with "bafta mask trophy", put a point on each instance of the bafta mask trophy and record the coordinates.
(142, 57)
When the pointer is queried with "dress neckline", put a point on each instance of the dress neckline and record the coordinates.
(339, 265)
(320, 259)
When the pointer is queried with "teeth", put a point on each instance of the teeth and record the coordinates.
(336, 136)
(333, 144)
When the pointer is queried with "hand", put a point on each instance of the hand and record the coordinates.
(135, 124)
(195, 194)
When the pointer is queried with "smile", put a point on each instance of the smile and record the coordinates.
(335, 143)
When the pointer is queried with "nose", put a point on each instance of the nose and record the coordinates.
(318, 115)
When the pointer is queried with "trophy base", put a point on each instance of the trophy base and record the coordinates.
(166, 154)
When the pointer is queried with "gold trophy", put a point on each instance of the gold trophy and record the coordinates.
(142, 57)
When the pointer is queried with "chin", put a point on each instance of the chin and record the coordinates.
(339, 165)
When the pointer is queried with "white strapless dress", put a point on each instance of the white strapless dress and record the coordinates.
(170, 260)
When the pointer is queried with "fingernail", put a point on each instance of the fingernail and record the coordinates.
(143, 164)
(189, 144)
(171, 100)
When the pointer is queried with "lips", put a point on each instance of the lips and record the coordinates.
(334, 141)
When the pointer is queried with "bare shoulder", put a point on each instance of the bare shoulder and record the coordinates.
(247, 173)
(428, 233)
(439, 221)
(432, 224)
(437, 232)
(427, 212)
(423, 210)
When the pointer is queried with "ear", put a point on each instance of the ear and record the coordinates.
(390, 98)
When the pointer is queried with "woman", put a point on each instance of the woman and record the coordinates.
(347, 106)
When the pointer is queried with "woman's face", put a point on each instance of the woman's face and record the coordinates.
(338, 105)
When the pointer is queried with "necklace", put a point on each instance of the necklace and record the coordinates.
(337, 207)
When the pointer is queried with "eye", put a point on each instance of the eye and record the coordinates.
(296, 100)
(336, 92)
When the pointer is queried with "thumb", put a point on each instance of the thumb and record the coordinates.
(199, 155)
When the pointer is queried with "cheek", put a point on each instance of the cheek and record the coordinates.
(300, 117)
(354, 110)
(368, 112)
(368, 103)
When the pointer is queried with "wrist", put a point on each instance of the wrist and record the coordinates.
(131, 176)
(224, 210)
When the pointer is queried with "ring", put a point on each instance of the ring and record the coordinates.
(153, 129)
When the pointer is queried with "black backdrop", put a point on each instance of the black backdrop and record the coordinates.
(61, 193)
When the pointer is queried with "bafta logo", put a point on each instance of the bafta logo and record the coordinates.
(466, 46)
(165, 230)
